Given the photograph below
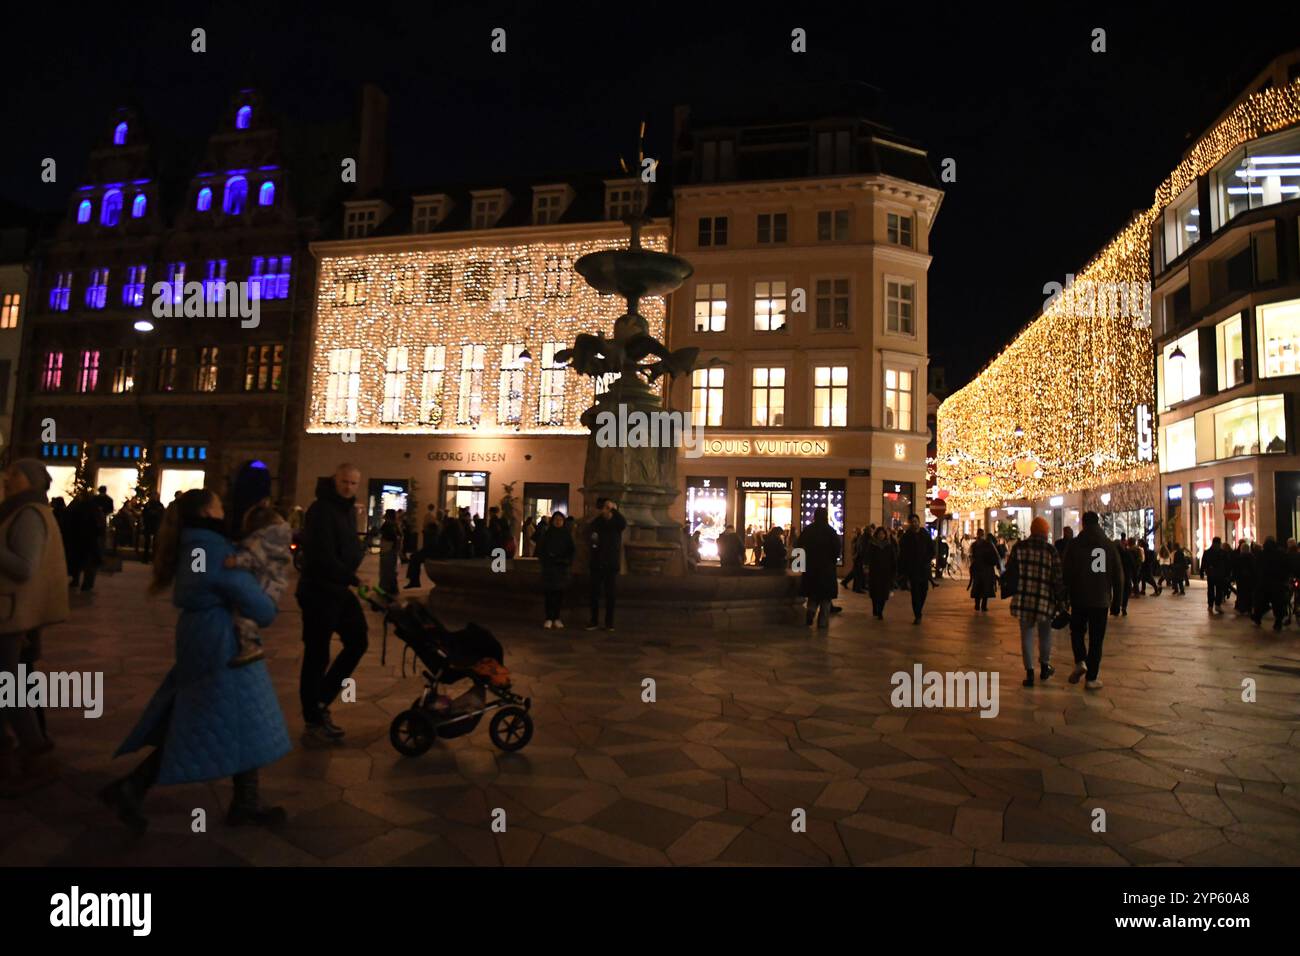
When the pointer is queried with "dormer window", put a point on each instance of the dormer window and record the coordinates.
(487, 209)
(83, 211)
(624, 198)
(139, 206)
(426, 213)
(119, 134)
(549, 203)
(266, 194)
(204, 202)
(360, 219)
(243, 117)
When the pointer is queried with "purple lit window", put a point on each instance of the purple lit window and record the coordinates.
(97, 291)
(232, 204)
(111, 210)
(83, 211)
(205, 200)
(266, 195)
(138, 206)
(243, 117)
(119, 135)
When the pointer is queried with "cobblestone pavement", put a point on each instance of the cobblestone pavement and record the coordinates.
(746, 729)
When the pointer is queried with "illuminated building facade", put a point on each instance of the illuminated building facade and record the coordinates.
(809, 233)
(1166, 356)
(438, 318)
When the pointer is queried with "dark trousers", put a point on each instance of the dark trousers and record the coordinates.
(1265, 598)
(603, 581)
(1216, 591)
(981, 604)
(554, 601)
(1089, 621)
(1123, 601)
(416, 561)
(324, 614)
(878, 605)
(919, 588)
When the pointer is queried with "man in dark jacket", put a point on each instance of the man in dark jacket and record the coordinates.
(606, 536)
(731, 550)
(915, 551)
(821, 547)
(1063, 542)
(1094, 577)
(1272, 580)
(151, 518)
(1216, 565)
(331, 554)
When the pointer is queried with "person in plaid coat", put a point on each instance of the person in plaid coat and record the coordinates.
(1040, 593)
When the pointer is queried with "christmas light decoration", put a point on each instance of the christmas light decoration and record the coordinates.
(513, 303)
(1073, 379)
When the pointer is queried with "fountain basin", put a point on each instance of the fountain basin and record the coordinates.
(633, 273)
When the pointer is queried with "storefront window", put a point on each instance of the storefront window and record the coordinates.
(825, 493)
(1240, 491)
(766, 503)
(706, 512)
(897, 503)
(1248, 426)
(1180, 370)
(1178, 445)
(1232, 363)
(465, 489)
(1278, 334)
(1182, 225)
(1203, 517)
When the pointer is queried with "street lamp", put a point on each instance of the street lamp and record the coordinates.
(525, 356)
(1178, 356)
(143, 325)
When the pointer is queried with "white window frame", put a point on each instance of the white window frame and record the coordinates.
(832, 296)
(510, 385)
(888, 407)
(901, 282)
(395, 370)
(708, 396)
(550, 401)
(771, 311)
(431, 381)
(343, 386)
(715, 315)
(469, 395)
(831, 391)
(767, 388)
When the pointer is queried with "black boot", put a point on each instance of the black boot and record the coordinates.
(1045, 671)
(1029, 678)
(247, 808)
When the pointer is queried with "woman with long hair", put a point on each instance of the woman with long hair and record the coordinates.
(207, 720)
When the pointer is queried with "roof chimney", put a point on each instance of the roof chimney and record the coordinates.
(372, 159)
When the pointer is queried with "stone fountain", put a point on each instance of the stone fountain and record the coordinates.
(640, 476)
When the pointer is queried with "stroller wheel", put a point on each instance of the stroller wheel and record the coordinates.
(411, 733)
(511, 728)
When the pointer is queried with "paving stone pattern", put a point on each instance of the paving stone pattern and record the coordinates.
(747, 728)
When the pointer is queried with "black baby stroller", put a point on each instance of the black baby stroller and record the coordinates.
(450, 657)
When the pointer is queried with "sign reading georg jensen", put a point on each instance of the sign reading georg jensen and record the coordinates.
(766, 447)
(470, 456)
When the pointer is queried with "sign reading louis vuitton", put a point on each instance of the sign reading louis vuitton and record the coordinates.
(765, 447)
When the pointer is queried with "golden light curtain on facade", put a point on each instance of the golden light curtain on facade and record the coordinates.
(428, 341)
(1074, 380)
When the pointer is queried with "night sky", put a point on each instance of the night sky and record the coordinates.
(1055, 145)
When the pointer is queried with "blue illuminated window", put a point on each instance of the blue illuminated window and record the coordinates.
(61, 292)
(111, 211)
(119, 135)
(176, 280)
(97, 291)
(214, 285)
(269, 277)
(266, 195)
(133, 289)
(243, 117)
(236, 195)
(138, 206)
(205, 200)
(83, 211)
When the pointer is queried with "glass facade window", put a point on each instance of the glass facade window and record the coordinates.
(1240, 490)
(1228, 349)
(1248, 426)
(1180, 376)
(1278, 335)
(1178, 445)
(1182, 224)
(706, 512)
(1265, 172)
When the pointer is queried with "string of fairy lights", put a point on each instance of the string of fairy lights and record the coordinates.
(1057, 410)
(501, 299)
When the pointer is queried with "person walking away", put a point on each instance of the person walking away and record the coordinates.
(1243, 577)
(1216, 564)
(33, 594)
(1272, 578)
(882, 570)
(984, 568)
(819, 584)
(331, 555)
(264, 552)
(1178, 565)
(1094, 580)
(606, 541)
(1063, 542)
(84, 524)
(915, 551)
(1151, 571)
(151, 518)
(857, 569)
(1040, 594)
(554, 548)
(206, 720)
(940, 559)
(390, 541)
(105, 502)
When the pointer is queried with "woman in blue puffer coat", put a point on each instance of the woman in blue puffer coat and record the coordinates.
(207, 720)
